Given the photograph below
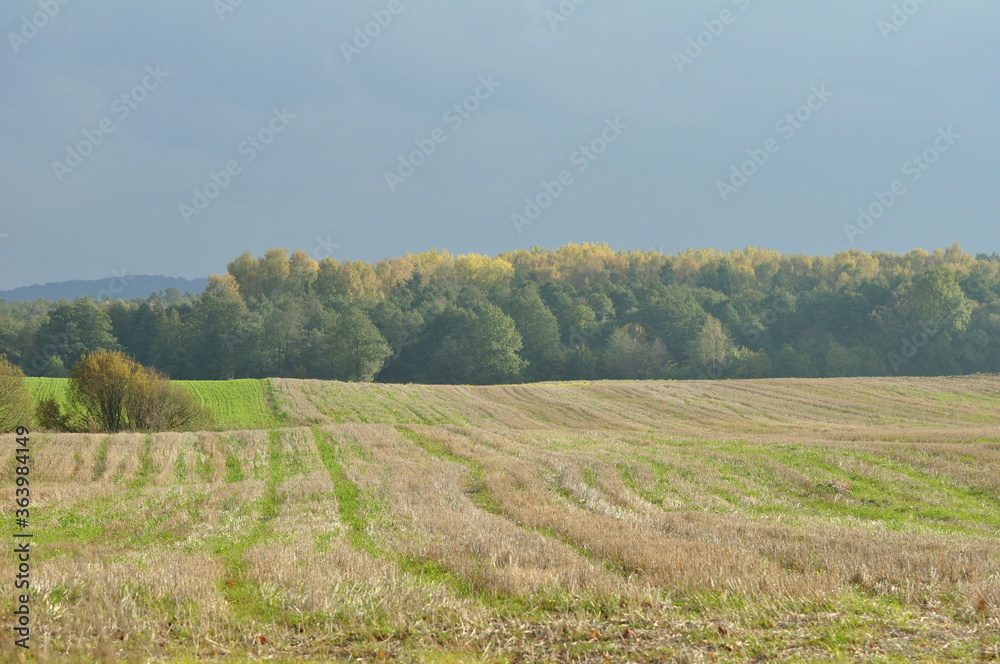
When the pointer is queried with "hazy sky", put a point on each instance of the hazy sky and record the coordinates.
(167, 138)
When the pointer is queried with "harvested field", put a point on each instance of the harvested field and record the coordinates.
(743, 521)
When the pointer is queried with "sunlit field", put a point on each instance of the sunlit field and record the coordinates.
(742, 521)
(236, 404)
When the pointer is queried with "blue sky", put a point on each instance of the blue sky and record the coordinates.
(169, 138)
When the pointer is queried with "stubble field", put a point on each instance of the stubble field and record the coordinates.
(744, 521)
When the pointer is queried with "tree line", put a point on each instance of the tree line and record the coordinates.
(583, 311)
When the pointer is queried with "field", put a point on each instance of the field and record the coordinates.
(47, 388)
(243, 404)
(739, 521)
(235, 404)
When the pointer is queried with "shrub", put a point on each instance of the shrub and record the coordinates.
(154, 403)
(15, 403)
(110, 392)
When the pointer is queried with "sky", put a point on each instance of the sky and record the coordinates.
(168, 138)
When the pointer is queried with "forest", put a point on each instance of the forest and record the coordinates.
(580, 312)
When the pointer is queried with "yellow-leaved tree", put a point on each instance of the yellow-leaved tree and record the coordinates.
(110, 392)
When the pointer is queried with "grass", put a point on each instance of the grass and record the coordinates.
(349, 501)
(735, 521)
(235, 404)
(243, 595)
(47, 388)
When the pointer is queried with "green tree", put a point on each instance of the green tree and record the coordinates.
(478, 344)
(672, 313)
(400, 324)
(981, 346)
(630, 354)
(362, 350)
(346, 346)
(933, 299)
(718, 276)
(167, 350)
(581, 363)
(751, 364)
(217, 334)
(924, 322)
(15, 403)
(938, 296)
(845, 314)
(539, 330)
(712, 348)
(496, 342)
(790, 362)
(10, 330)
(71, 330)
(142, 341)
(857, 361)
(282, 333)
(56, 368)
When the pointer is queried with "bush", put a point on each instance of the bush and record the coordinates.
(50, 415)
(110, 392)
(155, 404)
(15, 403)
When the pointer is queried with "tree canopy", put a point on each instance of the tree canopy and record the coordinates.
(15, 403)
(579, 311)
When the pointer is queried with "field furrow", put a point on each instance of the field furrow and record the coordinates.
(838, 520)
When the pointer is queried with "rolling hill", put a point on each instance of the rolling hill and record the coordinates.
(125, 287)
(776, 520)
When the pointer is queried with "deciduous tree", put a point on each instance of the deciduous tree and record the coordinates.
(71, 330)
(631, 355)
(712, 348)
(110, 392)
(15, 403)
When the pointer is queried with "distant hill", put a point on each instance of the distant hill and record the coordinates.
(126, 287)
